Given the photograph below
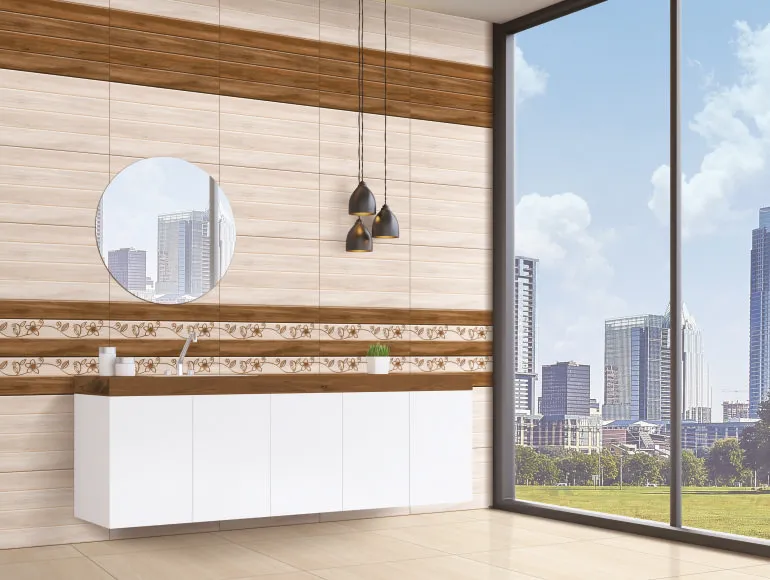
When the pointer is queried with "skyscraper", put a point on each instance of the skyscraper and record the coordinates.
(566, 389)
(129, 268)
(759, 312)
(696, 400)
(637, 368)
(183, 254)
(525, 285)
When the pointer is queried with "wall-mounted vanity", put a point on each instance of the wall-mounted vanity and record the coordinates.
(170, 450)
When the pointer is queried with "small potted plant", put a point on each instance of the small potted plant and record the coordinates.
(378, 359)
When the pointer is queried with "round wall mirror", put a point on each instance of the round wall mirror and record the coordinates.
(165, 230)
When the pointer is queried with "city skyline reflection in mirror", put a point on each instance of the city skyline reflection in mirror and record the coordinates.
(165, 230)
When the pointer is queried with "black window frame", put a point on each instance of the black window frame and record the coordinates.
(503, 254)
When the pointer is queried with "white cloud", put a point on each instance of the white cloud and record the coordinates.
(528, 80)
(558, 231)
(735, 124)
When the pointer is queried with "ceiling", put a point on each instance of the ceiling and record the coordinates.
(488, 10)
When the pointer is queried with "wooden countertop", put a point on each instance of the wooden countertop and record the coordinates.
(278, 384)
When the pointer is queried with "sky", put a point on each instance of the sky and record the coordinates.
(142, 191)
(591, 179)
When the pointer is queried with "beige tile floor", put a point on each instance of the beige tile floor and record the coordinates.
(463, 545)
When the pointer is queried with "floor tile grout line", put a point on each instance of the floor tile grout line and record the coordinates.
(94, 562)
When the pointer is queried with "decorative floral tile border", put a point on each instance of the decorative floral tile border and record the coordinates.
(148, 329)
(80, 366)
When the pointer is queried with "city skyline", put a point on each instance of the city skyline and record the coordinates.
(591, 180)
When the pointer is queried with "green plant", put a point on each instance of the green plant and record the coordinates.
(379, 349)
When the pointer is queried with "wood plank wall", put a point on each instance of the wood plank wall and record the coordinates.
(141, 84)
(121, 46)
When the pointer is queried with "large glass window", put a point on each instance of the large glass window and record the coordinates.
(725, 119)
(592, 326)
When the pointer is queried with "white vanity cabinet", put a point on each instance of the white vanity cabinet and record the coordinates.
(375, 450)
(159, 460)
(306, 453)
(133, 460)
(441, 447)
(231, 457)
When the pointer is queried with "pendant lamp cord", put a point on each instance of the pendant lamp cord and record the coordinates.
(360, 90)
(386, 102)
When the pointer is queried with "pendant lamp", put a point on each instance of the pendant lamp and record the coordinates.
(362, 200)
(385, 223)
(359, 239)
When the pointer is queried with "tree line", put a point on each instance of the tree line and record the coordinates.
(727, 463)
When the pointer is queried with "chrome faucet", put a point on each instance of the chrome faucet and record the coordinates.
(192, 337)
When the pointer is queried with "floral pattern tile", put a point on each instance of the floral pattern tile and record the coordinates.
(18, 328)
(268, 331)
(267, 365)
(364, 332)
(47, 367)
(451, 333)
(451, 364)
(345, 365)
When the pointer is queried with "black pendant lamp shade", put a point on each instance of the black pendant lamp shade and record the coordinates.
(362, 201)
(385, 224)
(359, 239)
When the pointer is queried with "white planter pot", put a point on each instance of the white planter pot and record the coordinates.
(378, 365)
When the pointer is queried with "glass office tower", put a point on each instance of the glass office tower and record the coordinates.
(759, 331)
(637, 368)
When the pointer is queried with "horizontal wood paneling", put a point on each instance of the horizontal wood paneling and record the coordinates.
(262, 384)
(159, 51)
(72, 310)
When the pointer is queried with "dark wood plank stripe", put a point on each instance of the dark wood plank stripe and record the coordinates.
(57, 47)
(54, 65)
(54, 27)
(78, 310)
(36, 386)
(163, 25)
(278, 384)
(273, 76)
(164, 43)
(267, 41)
(163, 79)
(151, 60)
(269, 92)
(59, 10)
(447, 115)
(451, 69)
(89, 347)
(268, 58)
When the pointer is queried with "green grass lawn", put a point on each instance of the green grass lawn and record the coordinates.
(732, 510)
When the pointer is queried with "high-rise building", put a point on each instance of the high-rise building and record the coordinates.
(129, 268)
(637, 368)
(184, 250)
(734, 410)
(566, 389)
(759, 312)
(525, 285)
(696, 401)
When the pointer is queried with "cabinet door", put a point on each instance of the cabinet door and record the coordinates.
(441, 445)
(150, 461)
(231, 457)
(305, 453)
(375, 450)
